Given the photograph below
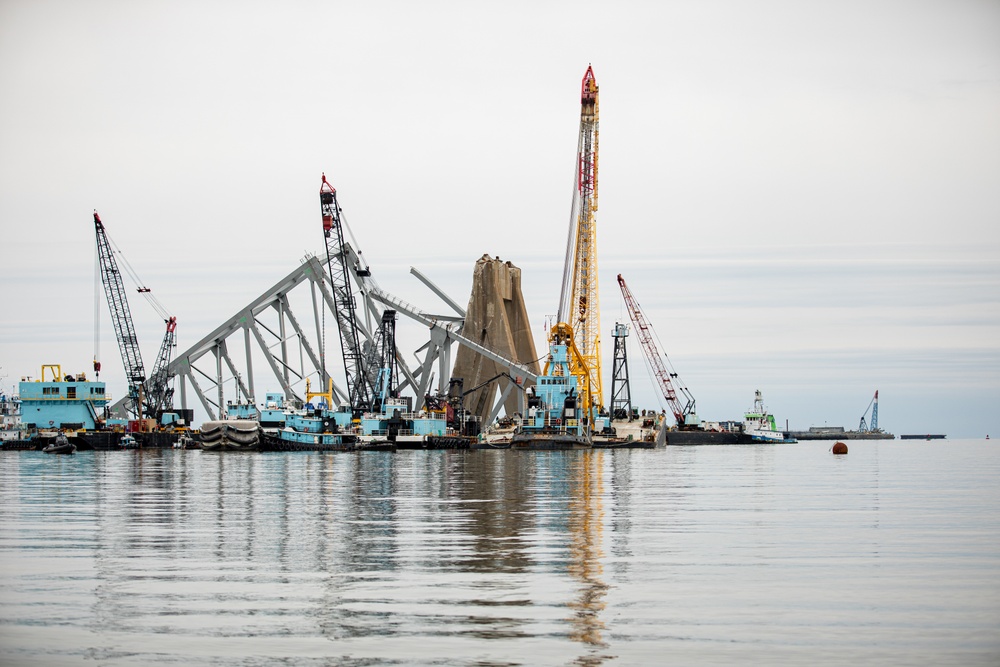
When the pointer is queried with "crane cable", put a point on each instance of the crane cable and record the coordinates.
(140, 286)
(676, 379)
(97, 308)
(569, 262)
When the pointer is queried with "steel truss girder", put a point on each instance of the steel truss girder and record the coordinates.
(255, 335)
(443, 332)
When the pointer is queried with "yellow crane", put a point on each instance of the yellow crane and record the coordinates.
(579, 317)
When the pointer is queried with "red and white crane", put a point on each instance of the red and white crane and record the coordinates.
(657, 362)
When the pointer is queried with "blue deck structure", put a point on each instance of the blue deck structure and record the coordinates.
(555, 419)
(64, 402)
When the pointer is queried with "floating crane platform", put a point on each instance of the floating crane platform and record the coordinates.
(838, 433)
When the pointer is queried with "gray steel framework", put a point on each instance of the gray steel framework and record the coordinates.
(268, 332)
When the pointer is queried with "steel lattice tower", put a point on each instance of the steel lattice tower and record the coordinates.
(621, 395)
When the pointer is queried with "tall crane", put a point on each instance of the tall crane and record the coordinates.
(873, 426)
(579, 316)
(147, 398)
(359, 391)
(121, 318)
(681, 411)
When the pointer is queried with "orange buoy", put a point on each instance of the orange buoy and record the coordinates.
(839, 448)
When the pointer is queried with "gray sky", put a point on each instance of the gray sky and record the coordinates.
(804, 197)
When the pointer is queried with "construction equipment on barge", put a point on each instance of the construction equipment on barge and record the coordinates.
(149, 400)
(866, 430)
(579, 300)
(684, 413)
(359, 389)
(568, 398)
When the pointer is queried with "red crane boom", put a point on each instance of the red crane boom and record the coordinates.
(663, 376)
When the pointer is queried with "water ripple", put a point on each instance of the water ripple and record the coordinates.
(714, 555)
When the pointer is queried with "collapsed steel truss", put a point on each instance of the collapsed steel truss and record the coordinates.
(219, 370)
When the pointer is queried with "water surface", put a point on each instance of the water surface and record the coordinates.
(710, 555)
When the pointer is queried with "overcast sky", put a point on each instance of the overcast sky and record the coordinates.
(804, 196)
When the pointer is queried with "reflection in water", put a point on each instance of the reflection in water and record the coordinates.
(492, 557)
(585, 532)
(494, 489)
(347, 546)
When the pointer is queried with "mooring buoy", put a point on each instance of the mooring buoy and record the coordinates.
(839, 448)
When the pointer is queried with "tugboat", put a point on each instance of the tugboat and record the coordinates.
(759, 426)
(12, 435)
(397, 423)
(312, 427)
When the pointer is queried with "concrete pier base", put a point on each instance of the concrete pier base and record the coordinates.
(496, 319)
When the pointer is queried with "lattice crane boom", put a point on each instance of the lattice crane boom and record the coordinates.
(644, 331)
(359, 391)
(579, 302)
(386, 374)
(160, 396)
(121, 318)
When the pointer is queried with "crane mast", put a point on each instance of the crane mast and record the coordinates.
(384, 348)
(121, 318)
(579, 303)
(663, 377)
(340, 278)
(160, 395)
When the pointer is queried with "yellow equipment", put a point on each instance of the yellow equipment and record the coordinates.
(579, 315)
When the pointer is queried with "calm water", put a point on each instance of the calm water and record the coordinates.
(708, 555)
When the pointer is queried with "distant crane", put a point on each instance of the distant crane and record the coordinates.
(873, 427)
(683, 412)
(146, 399)
(579, 317)
(359, 389)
